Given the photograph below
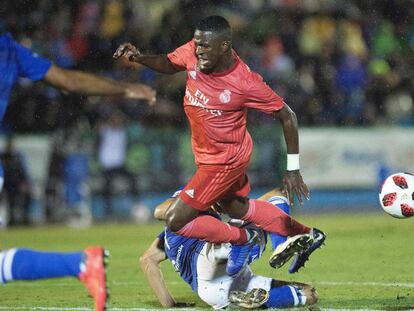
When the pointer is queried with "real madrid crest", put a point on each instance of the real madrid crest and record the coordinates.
(225, 96)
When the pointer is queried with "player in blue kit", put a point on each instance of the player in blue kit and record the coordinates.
(20, 264)
(17, 61)
(24, 264)
(203, 266)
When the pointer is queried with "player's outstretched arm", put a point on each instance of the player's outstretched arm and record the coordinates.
(293, 183)
(150, 265)
(159, 63)
(89, 84)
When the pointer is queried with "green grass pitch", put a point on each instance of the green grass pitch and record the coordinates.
(367, 263)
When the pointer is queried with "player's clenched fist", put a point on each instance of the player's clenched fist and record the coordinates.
(127, 50)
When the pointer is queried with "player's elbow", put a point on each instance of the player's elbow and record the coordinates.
(291, 117)
(63, 79)
(173, 221)
(144, 262)
(159, 213)
(287, 116)
(169, 67)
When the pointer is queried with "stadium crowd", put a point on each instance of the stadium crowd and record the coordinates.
(336, 62)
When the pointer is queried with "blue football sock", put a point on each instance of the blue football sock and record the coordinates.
(26, 264)
(283, 297)
(281, 203)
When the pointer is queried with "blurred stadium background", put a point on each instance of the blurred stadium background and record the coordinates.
(345, 67)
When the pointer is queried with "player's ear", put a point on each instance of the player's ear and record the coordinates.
(225, 46)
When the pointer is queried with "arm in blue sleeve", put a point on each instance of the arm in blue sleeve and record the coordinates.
(31, 65)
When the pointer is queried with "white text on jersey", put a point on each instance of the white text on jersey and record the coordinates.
(200, 100)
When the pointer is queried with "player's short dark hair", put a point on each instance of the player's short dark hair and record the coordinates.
(214, 23)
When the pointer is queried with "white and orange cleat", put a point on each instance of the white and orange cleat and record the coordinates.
(93, 275)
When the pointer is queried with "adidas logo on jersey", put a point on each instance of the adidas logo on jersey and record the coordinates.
(190, 193)
(193, 74)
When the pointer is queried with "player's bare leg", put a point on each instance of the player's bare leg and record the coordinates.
(264, 215)
(186, 221)
(179, 214)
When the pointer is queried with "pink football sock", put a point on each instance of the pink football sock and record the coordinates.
(264, 215)
(211, 229)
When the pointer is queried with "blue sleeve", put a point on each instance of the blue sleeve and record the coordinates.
(31, 65)
(161, 235)
(177, 192)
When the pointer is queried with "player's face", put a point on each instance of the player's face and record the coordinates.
(209, 49)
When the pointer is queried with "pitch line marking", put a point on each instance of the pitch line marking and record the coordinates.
(131, 283)
(87, 309)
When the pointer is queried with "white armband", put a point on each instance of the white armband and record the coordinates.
(293, 162)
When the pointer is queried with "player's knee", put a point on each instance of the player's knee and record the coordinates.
(235, 207)
(173, 220)
(179, 214)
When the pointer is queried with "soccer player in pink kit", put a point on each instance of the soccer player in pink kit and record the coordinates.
(220, 88)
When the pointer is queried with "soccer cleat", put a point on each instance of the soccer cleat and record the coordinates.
(239, 254)
(293, 245)
(93, 275)
(249, 300)
(300, 259)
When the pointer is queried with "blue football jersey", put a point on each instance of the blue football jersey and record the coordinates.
(183, 253)
(17, 61)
